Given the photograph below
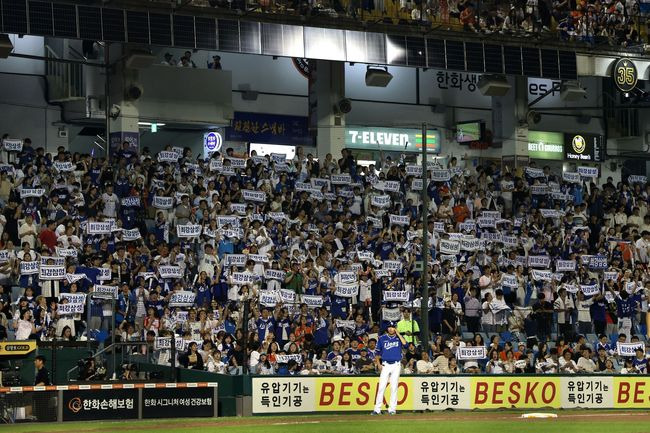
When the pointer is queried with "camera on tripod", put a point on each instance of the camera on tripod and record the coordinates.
(10, 376)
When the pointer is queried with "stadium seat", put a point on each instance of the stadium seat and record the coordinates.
(507, 336)
(592, 338)
(468, 336)
(16, 292)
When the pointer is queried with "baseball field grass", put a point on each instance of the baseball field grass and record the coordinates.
(445, 422)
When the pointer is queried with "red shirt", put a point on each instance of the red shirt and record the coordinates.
(48, 237)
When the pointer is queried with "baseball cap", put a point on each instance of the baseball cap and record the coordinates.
(391, 324)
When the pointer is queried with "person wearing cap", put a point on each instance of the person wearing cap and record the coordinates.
(640, 362)
(364, 365)
(215, 63)
(169, 60)
(388, 361)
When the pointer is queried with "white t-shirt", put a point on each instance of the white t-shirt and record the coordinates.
(487, 318)
(110, 205)
(584, 314)
(24, 330)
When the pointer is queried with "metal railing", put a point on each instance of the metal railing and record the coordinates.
(112, 362)
(487, 17)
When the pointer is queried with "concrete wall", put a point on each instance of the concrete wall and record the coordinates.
(407, 102)
(25, 113)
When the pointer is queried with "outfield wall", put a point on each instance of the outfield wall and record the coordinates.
(277, 394)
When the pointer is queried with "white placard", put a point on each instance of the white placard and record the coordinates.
(571, 177)
(99, 227)
(470, 352)
(400, 220)
(588, 172)
(51, 273)
(347, 291)
(131, 201)
(274, 274)
(539, 261)
(238, 260)
(168, 156)
(162, 202)
(243, 277)
(634, 178)
(100, 291)
(32, 192)
(63, 166)
(256, 196)
(565, 265)
(508, 280)
(188, 230)
(12, 144)
(170, 272)
(380, 200)
(395, 295)
(590, 290)
(448, 247)
(182, 299)
(391, 314)
(629, 349)
(131, 235)
(29, 268)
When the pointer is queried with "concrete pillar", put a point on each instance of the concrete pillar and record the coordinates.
(123, 127)
(327, 89)
(508, 115)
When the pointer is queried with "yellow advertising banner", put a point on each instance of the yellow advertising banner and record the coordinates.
(512, 391)
(17, 348)
(273, 394)
(632, 392)
(354, 393)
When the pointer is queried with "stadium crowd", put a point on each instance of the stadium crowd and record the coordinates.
(280, 266)
(610, 22)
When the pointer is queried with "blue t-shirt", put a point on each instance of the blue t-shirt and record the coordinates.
(321, 336)
(641, 365)
(389, 348)
(625, 307)
(265, 325)
(354, 354)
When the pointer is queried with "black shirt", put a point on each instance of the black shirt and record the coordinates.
(43, 376)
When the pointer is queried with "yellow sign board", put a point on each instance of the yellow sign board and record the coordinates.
(17, 348)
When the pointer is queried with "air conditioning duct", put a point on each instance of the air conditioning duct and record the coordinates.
(378, 76)
(493, 85)
(140, 60)
(571, 91)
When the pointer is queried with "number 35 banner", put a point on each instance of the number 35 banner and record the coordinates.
(336, 394)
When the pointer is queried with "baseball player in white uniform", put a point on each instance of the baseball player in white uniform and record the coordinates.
(389, 362)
